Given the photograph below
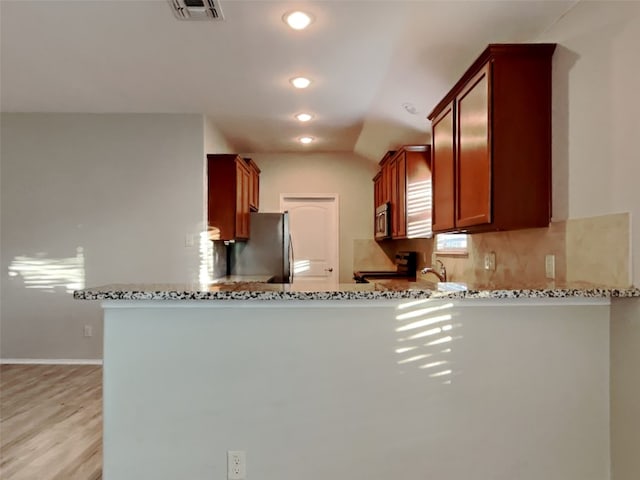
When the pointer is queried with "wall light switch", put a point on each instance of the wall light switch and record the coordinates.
(550, 266)
(188, 240)
(434, 258)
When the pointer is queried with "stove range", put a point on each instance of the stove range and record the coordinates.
(406, 265)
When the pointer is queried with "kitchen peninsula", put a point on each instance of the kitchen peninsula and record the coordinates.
(361, 382)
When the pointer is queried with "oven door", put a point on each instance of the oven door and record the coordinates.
(382, 222)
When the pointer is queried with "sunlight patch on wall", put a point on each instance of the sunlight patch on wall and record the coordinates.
(419, 207)
(50, 274)
(205, 249)
(300, 266)
(422, 331)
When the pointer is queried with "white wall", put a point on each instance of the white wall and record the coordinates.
(625, 389)
(214, 142)
(596, 171)
(596, 122)
(347, 174)
(320, 390)
(125, 189)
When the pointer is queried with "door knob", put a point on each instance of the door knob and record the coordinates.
(328, 269)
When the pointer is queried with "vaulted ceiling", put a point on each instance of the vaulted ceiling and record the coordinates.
(378, 67)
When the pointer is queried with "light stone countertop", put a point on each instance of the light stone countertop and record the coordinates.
(257, 289)
(235, 279)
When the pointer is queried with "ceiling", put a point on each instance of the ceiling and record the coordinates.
(367, 58)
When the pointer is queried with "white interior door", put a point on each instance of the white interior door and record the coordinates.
(313, 224)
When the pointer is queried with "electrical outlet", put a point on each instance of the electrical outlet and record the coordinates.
(88, 331)
(490, 261)
(550, 266)
(434, 258)
(236, 465)
(189, 240)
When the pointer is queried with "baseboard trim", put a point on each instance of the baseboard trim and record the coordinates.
(51, 361)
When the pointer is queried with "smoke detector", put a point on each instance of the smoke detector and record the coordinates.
(411, 108)
(196, 9)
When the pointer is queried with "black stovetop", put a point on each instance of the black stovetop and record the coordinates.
(406, 264)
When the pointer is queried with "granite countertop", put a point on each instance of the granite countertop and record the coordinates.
(235, 279)
(257, 289)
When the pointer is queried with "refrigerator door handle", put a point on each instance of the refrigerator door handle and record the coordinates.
(292, 260)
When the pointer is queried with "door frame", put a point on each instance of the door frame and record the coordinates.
(335, 198)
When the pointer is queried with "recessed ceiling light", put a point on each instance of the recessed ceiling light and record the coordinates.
(298, 20)
(300, 82)
(305, 140)
(304, 117)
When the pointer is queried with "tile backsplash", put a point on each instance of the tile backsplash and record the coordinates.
(371, 255)
(520, 257)
(599, 250)
(594, 250)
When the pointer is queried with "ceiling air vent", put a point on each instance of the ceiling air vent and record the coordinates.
(197, 9)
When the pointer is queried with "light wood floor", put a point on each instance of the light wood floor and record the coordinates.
(50, 422)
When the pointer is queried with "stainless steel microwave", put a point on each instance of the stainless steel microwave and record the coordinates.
(382, 221)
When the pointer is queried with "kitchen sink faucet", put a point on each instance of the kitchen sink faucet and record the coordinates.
(441, 273)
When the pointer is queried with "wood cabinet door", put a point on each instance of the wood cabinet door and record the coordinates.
(246, 195)
(398, 179)
(255, 190)
(251, 181)
(473, 151)
(377, 190)
(386, 182)
(222, 172)
(393, 197)
(418, 196)
(243, 179)
(442, 170)
(254, 185)
(401, 195)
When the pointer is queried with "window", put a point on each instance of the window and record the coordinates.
(451, 243)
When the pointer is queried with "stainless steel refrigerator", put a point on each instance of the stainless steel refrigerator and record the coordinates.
(268, 250)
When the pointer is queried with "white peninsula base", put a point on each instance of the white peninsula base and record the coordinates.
(496, 389)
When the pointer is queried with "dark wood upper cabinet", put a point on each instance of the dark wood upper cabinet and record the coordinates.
(395, 186)
(491, 135)
(232, 184)
(385, 178)
(404, 181)
(243, 194)
(473, 159)
(254, 185)
(416, 217)
(377, 190)
(442, 170)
